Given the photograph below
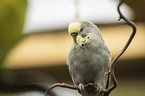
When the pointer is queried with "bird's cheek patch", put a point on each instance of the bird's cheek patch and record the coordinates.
(81, 41)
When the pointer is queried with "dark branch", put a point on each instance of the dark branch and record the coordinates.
(131, 36)
(111, 88)
(61, 85)
(107, 91)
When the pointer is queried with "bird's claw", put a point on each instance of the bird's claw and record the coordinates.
(81, 87)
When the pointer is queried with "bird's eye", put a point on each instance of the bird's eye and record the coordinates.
(74, 34)
(82, 29)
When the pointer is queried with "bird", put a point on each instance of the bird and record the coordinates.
(89, 59)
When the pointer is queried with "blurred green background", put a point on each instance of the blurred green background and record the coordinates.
(12, 17)
(33, 61)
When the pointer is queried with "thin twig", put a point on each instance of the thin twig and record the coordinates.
(111, 88)
(61, 85)
(123, 50)
(130, 23)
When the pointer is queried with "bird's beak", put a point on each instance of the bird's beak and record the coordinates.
(74, 38)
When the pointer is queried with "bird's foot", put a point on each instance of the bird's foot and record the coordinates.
(99, 90)
(81, 88)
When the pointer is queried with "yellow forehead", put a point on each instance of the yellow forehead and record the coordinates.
(74, 27)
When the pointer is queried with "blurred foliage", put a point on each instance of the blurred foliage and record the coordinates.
(12, 16)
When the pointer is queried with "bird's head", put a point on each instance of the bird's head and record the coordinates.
(80, 32)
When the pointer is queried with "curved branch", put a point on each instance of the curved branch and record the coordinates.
(60, 85)
(111, 71)
(130, 23)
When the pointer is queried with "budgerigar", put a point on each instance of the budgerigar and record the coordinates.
(89, 59)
